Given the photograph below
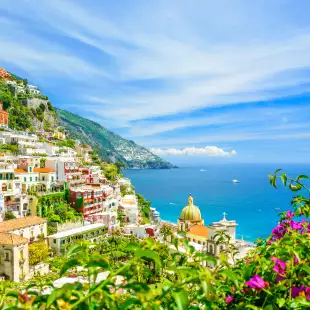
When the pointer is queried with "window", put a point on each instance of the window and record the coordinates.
(63, 241)
(7, 176)
(52, 179)
(25, 179)
(21, 254)
(30, 169)
(43, 178)
(30, 179)
(36, 179)
(7, 256)
(0, 176)
(54, 241)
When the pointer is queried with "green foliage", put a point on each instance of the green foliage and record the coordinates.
(126, 190)
(38, 252)
(144, 206)
(9, 148)
(111, 172)
(62, 212)
(166, 231)
(9, 215)
(51, 230)
(67, 143)
(19, 114)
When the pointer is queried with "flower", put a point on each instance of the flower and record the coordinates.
(279, 231)
(257, 283)
(296, 291)
(295, 225)
(229, 299)
(290, 214)
(279, 278)
(307, 291)
(279, 266)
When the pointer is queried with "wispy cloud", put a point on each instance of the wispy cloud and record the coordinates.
(210, 151)
(151, 68)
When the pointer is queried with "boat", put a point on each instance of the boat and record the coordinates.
(235, 181)
(277, 209)
(202, 170)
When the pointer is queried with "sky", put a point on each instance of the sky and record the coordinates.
(194, 81)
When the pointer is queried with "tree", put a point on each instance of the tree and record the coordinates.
(9, 215)
(119, 166)
(38, 252)
(166, 231)
(111, 172)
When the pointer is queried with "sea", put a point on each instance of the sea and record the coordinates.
(252, 202)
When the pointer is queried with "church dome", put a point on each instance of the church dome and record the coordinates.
(190, 212)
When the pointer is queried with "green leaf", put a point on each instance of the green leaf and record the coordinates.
(12, 294)
(269, 307)
(133, 246)
(69, 264)
(295, 188)
(130, 302)
(181, 299)
(99, 262)
(150, 254)
(284, 179)
(302, 176)
(281, 302)
(306, 268)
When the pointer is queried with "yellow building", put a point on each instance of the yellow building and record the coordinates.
(190, 216)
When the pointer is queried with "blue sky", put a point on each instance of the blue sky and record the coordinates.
(224, 81)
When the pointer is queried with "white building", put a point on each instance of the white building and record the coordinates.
(60, 241)
(33, 89)
(141, 231)
(129, 207)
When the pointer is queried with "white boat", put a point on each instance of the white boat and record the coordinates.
(202, 170)
(235, 181)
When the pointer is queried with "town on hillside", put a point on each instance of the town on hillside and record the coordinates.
(56, 191)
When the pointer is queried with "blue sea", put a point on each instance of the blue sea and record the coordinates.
(253, 202)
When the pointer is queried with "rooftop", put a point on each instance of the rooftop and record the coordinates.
(43, 170)
(11, 239)
(19, 170)
(199, 230)
(76, 231)
(9, 225)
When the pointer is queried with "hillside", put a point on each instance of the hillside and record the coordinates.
(110, 146)
(29, 110)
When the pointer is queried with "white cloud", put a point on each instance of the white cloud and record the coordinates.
(212, 151)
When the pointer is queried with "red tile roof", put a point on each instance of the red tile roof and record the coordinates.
(11, 239)
(199, 230)
(10, 225)
(43, 170)
(19, 170)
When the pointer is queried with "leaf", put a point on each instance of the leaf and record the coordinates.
(130, 302)
(99, 262)
(230, 275)
(133, 246)
(268, 307)
(69, 264)
(284, 179)
(181, 299)
(281, 302)
(295, 188)
(150, 254)
(12, 294)
(306, 268)
(302, 176)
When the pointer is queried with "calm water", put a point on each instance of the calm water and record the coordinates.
(251, 202)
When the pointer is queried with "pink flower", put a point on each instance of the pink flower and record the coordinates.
(229, 299)
(297, 290)
(307, 291)
(257, 283)
(290, 214)
(279, 231)
(279, 266)
(295, 225)
(278, 279)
